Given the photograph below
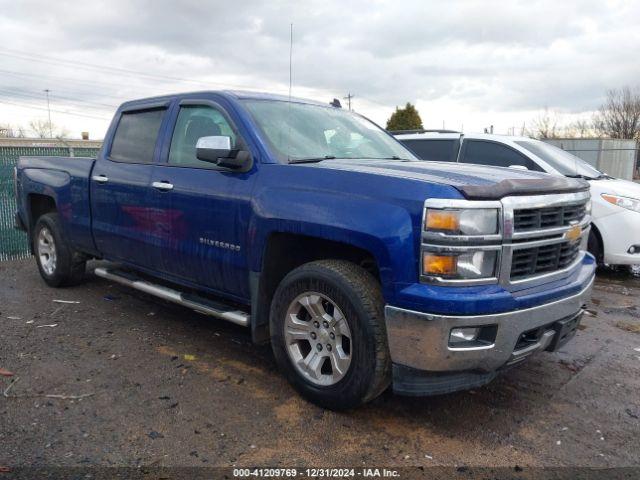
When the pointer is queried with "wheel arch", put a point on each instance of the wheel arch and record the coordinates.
(596, 231)
(285, 251)
(38, 205)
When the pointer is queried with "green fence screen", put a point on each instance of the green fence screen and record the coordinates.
(13, 243)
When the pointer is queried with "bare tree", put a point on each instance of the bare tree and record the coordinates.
(6, 131)
(545, 125)
(619, 116)
(9, 131)
(42, 129)
(579, 129)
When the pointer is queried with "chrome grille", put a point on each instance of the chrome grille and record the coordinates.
(540, 238)
(527, 262)
(525, 219)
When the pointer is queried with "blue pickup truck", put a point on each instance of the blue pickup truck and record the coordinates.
(361, 265)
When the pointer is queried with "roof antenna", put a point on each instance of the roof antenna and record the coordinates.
(290, 83)
(290, 58)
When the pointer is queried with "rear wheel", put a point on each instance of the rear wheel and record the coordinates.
(328, 333)
(58, 264)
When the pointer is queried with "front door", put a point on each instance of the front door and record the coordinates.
(206, 207)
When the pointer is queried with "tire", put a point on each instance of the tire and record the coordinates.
(594, 246)
(357, 365)
(58, 263)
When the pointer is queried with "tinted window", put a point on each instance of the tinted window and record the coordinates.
(135, 138)
(492, 153)
(193, 123)
(435, 150)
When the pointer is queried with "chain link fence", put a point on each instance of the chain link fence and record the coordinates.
(14, 243)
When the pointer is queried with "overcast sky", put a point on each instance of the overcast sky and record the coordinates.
(464, 63)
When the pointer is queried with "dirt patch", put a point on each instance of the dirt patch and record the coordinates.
(175, 388)
(633, 327)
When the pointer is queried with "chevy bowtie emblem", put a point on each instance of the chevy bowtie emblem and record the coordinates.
(573, 233)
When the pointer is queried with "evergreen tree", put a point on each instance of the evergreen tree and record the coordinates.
(406, 118)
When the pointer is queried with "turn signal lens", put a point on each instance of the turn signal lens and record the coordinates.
(433, 264)
(632, 204)
(469, 265)
(443, 220)
(468, 221)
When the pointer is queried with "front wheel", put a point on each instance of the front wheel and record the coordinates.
(59, 265)
(328, 333)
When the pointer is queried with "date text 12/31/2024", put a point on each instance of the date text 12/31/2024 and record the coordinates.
(315, 472)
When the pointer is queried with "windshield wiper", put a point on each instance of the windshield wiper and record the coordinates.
(332, 157)
(393, 157)
(311, 160)
(584, 177)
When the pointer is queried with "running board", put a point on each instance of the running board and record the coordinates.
(198, 304)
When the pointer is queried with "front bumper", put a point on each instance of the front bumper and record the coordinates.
(619, 232)
(420, 341)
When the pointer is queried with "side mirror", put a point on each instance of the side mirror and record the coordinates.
(217, 149)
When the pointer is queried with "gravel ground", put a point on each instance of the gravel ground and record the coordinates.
(159, 385)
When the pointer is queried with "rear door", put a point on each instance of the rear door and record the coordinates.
(487, 152)
(207, 208)
(125, 223)
(435, 150)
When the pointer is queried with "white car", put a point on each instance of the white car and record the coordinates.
(615, 233)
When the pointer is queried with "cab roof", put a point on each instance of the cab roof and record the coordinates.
(452, 135)
(231, 94)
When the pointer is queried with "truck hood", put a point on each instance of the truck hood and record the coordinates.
(475, 182)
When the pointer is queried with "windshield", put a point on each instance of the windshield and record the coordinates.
(564, 162)
(302, 131)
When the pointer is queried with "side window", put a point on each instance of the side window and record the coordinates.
(194, 122)
(435, 150)
(492, 153)
(136, 135)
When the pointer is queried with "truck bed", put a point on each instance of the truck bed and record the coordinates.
(66, 181)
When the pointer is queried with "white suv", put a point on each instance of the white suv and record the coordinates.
(615, 233)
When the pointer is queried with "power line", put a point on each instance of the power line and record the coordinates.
(92, 84)
(30, 93)
(32, 57)
(73, 114)
(15, 96)
(117, 71)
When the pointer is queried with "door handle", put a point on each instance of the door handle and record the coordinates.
(164, 186)
(100, 178)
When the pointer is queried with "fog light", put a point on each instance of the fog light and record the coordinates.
(460, 335)
(634, 249)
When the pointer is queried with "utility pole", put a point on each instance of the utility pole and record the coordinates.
(348, 99)
(46, 90)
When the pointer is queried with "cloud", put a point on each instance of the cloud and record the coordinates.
(456, 59)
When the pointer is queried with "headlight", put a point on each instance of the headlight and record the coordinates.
(624, 202)
(468, 265)
(472, 221)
